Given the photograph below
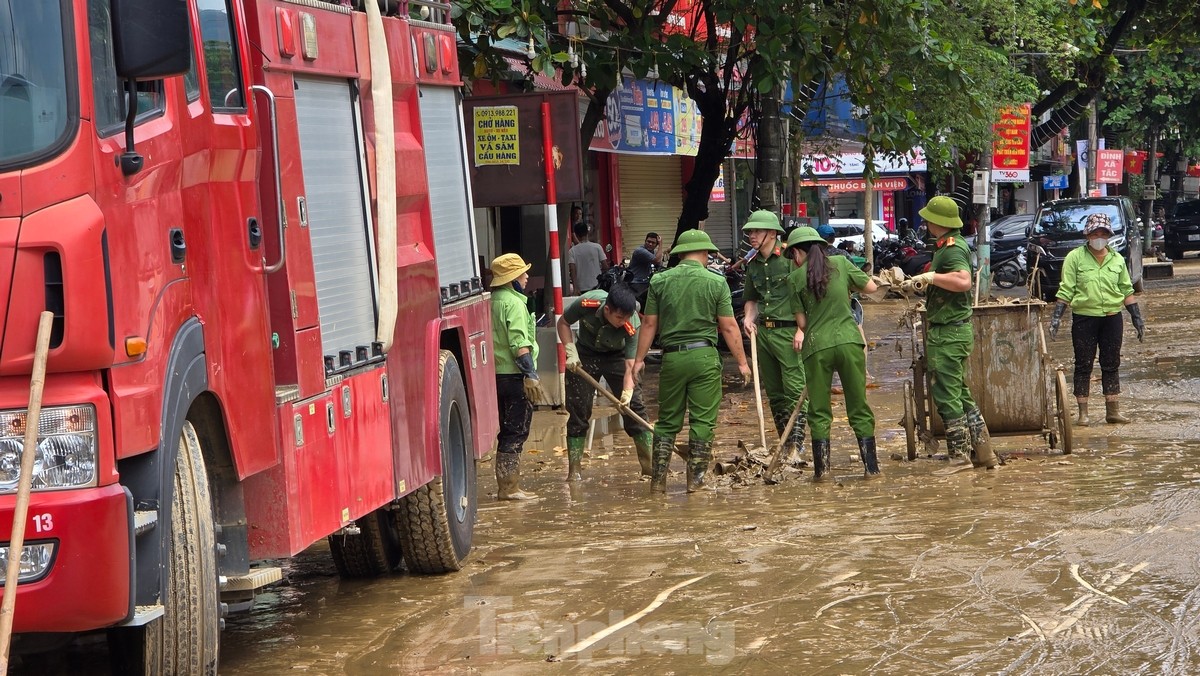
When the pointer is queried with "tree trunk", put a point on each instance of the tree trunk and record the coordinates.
(716, 135)
(593, 117)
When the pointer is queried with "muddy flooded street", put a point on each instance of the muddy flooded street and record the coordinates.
(1050, 564)
(1085, 563)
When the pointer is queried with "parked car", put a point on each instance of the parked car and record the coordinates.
(1182, 231)
(1058, 228)
(852, 229)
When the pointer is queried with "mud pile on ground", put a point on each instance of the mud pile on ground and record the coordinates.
(748, 467)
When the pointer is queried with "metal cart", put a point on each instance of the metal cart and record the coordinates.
(1018, 389)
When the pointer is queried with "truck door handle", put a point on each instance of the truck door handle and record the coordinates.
(178, 246)
(279, 206)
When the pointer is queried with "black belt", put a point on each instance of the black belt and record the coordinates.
(698, 345)
(957, 323)
(777, 323)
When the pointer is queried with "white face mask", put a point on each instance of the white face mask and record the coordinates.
(1098, 243)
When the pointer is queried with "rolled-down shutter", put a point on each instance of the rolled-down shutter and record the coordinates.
(651, 197)
(449, 190)
(719, 225)
(335, 193)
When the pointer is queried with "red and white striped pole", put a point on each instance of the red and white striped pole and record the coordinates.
(552, 231)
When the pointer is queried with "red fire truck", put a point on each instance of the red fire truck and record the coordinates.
(252, 222)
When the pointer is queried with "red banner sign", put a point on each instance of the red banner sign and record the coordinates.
(1109, 165)
(1010, 150)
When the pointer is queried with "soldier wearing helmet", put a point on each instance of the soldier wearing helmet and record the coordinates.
(949, 335)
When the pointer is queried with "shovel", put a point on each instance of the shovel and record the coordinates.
(762, 425)
(773, 465)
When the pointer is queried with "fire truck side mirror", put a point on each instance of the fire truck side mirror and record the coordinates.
(151, 38)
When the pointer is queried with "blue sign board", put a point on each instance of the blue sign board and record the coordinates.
(641, 118)
(1056, 182)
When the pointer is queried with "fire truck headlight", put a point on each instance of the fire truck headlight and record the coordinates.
(35, 561)
(66, 450)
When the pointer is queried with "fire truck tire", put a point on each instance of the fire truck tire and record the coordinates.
(185, 640)
(374, 551)
(437, 521)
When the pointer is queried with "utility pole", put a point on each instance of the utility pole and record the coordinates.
(1093, 147)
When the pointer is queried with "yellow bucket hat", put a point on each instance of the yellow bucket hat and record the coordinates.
(507, 267)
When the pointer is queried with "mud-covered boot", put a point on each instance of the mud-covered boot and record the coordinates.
(644, 443)
(508, 478)
(793, 446)
(575, 458)
(697, 467)
(1081, 418)
(1112, 412)
(870, 457)
(982, 454)
(820, 459)
(958, 440)
(660, 460)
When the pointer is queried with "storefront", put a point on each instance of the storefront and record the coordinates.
(896, 192)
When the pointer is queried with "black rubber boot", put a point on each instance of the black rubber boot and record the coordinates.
(958, 439)
(820, 459)
(660, 461)
(508, 478)
(870, 458)
(697, 468)
(982, 454)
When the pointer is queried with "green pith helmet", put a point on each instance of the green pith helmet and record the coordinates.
(693, 240)
(804, 235)
(763, 220)
(942, 211)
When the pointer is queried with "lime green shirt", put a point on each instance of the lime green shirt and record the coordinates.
(767, 285)
(595, 332)
(829, 321)
(512, 328)
(687, 300)
(1091, 288)
(943, 306)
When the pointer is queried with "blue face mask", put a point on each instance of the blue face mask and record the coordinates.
(518, 287)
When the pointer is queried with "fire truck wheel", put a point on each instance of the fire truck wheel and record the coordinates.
(437, 521)
(185, 640)
(374, 551)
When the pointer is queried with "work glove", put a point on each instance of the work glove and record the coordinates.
(1056, 318)
(1135, 314)
(918, 283)
(534, 392)
(573, 356)
(626, 397)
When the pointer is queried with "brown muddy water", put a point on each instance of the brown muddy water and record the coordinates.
(1051, 564)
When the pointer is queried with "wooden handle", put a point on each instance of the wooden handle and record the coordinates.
(762, 425)
(17, 540)
(787, 431)
(625, 410)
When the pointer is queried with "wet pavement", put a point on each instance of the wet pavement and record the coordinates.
(1051, 564)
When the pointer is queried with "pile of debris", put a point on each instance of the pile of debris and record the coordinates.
(748, 467)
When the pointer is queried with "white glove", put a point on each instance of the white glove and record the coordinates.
(626, 397)
(917, 283)
(573, 357)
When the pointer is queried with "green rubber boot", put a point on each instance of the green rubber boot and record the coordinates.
(660, 461)
(982, 454)
(644, 443)
(698, 462)
(575, 458)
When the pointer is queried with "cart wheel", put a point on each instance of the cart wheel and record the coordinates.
(1064, 418)
(910, 421)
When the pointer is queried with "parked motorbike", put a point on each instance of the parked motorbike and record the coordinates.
(908, 255)
(1009, 268)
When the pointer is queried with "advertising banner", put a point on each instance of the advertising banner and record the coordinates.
(853, 164)
(840, 185)
(1109, 165)
(1010, 150)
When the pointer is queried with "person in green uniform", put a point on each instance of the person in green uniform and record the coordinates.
(1095, 284)
(770, 318)
(605, 348)
(829, 341)
(518, 387)
(949, 338)
(686, 306)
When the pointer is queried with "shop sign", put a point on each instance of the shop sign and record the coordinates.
(840, 185)
(851, 164)
(718, 191)
(1109, 165)
(1010, 149)
(496, 137)
(1056, 182)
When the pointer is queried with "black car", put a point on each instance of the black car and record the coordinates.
(1182, 231)
(1058, 228)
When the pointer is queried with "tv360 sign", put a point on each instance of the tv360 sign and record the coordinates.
(1010, 149)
